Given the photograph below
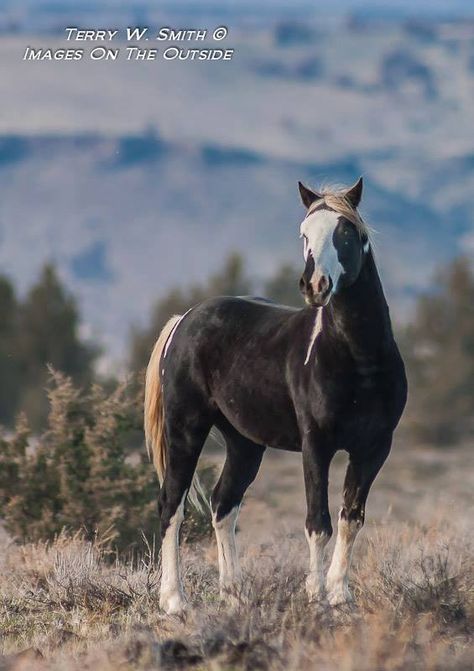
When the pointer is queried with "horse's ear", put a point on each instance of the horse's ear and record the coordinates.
(354, 193)
(307, 196)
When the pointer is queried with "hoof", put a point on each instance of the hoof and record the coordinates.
(230, 594)
(315, 592)
(340, 596)
(173, 604)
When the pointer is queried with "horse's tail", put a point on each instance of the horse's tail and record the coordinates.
(154, 414)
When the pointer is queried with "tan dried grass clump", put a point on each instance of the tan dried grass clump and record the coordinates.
(414, 609)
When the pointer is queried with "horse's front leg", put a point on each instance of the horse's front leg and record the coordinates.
(359, 478)
(318, 521)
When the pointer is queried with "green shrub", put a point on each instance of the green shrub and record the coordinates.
(87, 472)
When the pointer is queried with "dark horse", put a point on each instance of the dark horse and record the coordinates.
(316, 380)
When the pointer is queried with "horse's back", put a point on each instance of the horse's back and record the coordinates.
(231, 319)
(252, 307)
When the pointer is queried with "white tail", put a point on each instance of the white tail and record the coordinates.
(154, 415)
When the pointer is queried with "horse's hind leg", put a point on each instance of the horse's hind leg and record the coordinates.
(241, 466)
(185, 442)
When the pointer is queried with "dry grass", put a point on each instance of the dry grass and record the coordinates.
(66, 606)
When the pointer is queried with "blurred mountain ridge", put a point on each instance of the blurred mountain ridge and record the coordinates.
(133, 178)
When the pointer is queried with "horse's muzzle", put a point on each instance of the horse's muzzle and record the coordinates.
(319, 297)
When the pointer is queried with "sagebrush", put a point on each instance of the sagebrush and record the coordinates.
(63, 606)
(87, 472)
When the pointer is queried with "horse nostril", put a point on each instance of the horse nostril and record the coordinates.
(323, 284)
(303, 284)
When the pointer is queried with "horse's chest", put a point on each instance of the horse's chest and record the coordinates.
(367, 414)
(354, 407)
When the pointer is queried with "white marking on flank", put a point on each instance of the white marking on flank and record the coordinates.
(229, 568)
(317, 328)
(315, 579)
(173, 331)
(172, 599)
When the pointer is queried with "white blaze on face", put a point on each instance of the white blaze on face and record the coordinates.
(317, 231)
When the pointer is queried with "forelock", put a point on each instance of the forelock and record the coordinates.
(334, 199)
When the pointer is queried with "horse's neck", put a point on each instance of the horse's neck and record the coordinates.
(359, 316)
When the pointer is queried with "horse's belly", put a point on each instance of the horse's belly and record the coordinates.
(265, 418)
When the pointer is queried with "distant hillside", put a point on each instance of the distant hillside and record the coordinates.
(49, 15)
(135, 177)
(126, 218)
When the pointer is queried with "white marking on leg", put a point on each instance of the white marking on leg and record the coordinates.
(315, 578)
(229, 567)
(172, 598)
(173, 331)
(338, 574)
(317, 328)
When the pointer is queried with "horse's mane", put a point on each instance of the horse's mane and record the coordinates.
(334, 198)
